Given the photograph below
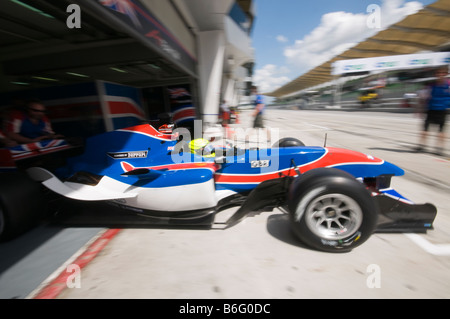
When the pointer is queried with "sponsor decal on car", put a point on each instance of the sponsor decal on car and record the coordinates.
(122, 155)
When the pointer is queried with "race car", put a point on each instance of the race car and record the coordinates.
(336, 198)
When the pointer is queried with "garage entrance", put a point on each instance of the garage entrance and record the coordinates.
(118, 68)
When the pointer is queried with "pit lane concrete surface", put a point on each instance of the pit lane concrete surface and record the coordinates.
(260, 258)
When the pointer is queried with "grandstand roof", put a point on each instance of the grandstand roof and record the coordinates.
(427, 30)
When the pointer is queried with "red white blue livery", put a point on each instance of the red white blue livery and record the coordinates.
(336, 198)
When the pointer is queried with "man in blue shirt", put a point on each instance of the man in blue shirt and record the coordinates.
(259, 109)
(258, 112)
(438, 103)
(31, 125)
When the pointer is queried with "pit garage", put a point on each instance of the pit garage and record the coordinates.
(96, 65)
(104, 65)
(115, 63)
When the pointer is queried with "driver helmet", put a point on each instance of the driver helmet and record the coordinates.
(202, 147)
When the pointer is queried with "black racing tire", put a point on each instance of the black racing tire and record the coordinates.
(331, 211)
(2, 222)
(288, 142)
(21, 204)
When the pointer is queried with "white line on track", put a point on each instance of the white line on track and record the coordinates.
(433, 249)
(317, 126)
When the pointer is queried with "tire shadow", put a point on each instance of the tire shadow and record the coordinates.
(278, 226)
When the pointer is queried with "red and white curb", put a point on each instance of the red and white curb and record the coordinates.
(57, 282)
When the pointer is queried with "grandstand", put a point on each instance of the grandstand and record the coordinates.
(426, 31)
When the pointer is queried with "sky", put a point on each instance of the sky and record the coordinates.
(291, 37)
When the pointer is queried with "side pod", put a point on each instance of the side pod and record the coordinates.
(102, 191)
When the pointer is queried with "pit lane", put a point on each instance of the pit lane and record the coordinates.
(260, 258)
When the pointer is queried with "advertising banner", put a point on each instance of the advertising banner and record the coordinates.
(393, 62)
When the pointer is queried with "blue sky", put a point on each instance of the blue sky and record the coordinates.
(291, 37)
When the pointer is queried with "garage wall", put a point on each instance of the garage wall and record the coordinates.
(74, 110)
(165, 12)
(85, 109)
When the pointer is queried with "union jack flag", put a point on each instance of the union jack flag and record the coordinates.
(39, 147)
(123, 6)
(178, 92)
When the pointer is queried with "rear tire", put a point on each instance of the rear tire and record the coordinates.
(2, 221)
(331, 211)
(21, 204)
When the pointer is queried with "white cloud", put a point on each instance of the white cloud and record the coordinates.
(270, 77)
(339, 31)
(393, 11)
(282, 39)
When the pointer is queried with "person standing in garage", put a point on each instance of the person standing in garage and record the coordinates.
(6, 142)
(31, 125)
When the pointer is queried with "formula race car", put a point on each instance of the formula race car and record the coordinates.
(335, 198)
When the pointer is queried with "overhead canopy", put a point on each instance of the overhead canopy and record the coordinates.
(39, 49)
(427, 30)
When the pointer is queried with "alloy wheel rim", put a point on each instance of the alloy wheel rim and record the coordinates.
(333, 216)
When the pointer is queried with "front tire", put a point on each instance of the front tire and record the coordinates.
(331, 211)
